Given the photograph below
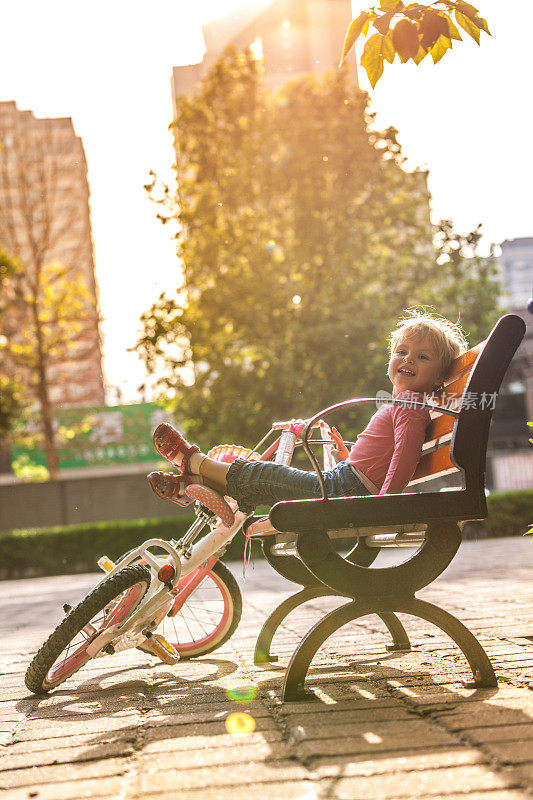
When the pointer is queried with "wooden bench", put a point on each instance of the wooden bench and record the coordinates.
(297, 535)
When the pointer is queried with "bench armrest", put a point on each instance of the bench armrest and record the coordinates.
(355, 402)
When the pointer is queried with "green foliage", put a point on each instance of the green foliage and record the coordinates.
(302, 239)
(69, 549)
(12, 394)
(12, 403)
(8, 266)
(52, 308)
(42, 325)
(420, 29)
(507, 514)
(25, 469)
(463, 284)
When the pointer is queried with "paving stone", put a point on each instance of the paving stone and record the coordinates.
(517, 752)
(64, 755)
(274, 790)
(498, 794)
(222, 740)
(210, 754)
(427, 783)
(503, 733)
(376, 738)
(364, 764)
(106, 788)
(167, 778)
(40, 775)
(57, 728)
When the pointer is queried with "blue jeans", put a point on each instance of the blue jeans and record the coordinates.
(255, 483)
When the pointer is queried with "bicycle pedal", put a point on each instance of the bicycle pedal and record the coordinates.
(158, 646)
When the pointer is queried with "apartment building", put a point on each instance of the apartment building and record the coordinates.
(292, 38)
(44, 220)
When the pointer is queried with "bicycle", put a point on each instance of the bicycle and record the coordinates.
(172, 599)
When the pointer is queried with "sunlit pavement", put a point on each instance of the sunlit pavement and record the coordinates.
(383, 725)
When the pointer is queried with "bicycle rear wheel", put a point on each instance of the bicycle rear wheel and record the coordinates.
(208, 617)
(65, 651)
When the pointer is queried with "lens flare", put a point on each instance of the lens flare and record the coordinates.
(239, 724)
(242, 694)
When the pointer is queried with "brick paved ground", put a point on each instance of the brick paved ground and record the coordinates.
(384, 725)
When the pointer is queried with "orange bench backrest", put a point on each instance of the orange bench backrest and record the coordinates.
(435, 460)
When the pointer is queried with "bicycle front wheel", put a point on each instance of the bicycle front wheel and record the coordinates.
(208, 617)
(65, 651)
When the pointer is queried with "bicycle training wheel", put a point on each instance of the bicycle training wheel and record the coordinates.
(65, 651)
(208, 617)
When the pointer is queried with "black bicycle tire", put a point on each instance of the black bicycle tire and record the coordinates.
(75, 621)
(235, 595)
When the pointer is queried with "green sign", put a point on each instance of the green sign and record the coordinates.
(100, 435)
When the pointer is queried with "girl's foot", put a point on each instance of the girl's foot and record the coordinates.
(171, 445)
(213, 501)
(170, 486)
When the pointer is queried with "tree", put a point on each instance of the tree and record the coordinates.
(11, 392)
(47, 307)
(418, 30)
(464, 284)
(302, 239)
(43, 329)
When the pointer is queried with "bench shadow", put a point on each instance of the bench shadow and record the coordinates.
(365, 711)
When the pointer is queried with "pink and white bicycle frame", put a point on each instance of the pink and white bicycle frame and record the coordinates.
(193, 560)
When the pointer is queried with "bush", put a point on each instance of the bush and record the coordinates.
(510, 514)
(69, 549)
(76, 548)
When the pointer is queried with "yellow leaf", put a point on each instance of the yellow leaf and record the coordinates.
(466, 8)
(354, 30)
(405, 39)
(453, 32)
(439, 48)
(466, 24)
(372, 58)
(484, 25)
(420, 55)
(391, 5)
(387, 48)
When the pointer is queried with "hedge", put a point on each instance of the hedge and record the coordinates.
(76, 548)
(70, 549)
(510, 514)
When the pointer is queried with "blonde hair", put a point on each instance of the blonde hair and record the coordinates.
(446, 337)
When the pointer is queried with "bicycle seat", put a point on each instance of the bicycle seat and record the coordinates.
(213, 501)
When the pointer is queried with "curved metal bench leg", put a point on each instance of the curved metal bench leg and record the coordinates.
(400, 639)
(465, 640)
(293, 687)
(264, 640)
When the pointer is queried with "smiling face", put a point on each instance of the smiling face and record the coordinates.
(415, 365)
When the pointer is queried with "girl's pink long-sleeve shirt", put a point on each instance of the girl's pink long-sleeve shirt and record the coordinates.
(389, 448)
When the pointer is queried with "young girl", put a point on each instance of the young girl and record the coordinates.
(382, 460)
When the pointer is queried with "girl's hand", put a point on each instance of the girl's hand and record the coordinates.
(340, 452)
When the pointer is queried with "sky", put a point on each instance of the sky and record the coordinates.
(108, 66)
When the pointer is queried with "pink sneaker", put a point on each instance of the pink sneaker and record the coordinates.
(213, 501)
(171, 445)
(170, 486)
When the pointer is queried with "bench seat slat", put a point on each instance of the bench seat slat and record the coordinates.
(434, 464)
